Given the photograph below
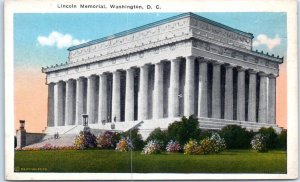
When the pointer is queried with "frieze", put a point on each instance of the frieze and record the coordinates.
(105, 55)
(233, 53)
(152, 35)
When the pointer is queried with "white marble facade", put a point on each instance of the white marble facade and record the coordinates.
(181, 66)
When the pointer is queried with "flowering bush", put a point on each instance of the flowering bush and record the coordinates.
(152, 147)
(84, 140)
(214, 144)
(219, 143)
(79, 141)
(207, 145)
(192, 147)
(108, 140)
(28, 148)
(173, 146)
(124, 145)
(259, 143)
(48, 147)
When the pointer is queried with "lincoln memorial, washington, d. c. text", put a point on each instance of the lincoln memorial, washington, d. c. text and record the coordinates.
(152, 75)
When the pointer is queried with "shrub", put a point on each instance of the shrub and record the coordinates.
(192, 148)
(46, 146)
(282, 138)
(219, 143)
(271, 137)
(84, 140)
(135, 138)
(173, 146)
(184, 130)
(259, 143)
(15, 141)
(152, 147)
(158, 135)
(207, 146)
(214, 144)
(108, 140)
(124, 145)
(236, 137)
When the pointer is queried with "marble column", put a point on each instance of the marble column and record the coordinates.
(103, 96)
(216, 91)
(202, 92)
(189, 88)
(91, 99)
(143, 93)
(272, 100)
(116, 97)
(59, 104)
(79, 100)
(263, 98)
(70, 102)
(173, 109)
(50, 116)
(241, 104)
(129, 97)
(228, 105)
(158, 92)
(252, 96)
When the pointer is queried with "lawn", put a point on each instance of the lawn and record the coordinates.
(232, 161)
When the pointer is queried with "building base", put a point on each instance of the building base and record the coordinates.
(147, 126)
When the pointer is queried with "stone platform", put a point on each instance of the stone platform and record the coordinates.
(147, 126)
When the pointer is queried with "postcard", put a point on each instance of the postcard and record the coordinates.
(130, 90)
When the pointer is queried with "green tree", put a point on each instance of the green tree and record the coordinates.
(159, 135)
(236, 137)
(271, 137)
(135, 138)
(184, 130)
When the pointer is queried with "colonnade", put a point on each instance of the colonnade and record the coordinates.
(168, 89)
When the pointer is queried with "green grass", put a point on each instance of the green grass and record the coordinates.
(232, 161)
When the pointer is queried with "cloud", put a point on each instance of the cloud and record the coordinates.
(263, 39)
(59, 40)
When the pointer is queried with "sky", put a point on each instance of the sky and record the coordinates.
(42, 40)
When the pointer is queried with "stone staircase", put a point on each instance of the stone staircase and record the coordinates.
(64, 140)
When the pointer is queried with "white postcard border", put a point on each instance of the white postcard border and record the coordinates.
(50, 6)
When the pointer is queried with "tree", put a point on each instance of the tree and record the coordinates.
(184, 130)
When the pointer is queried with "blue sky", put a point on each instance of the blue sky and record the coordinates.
(43, 39)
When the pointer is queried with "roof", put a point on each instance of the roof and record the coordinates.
(157, 23)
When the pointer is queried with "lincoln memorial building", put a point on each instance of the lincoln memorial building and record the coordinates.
(152, 75)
